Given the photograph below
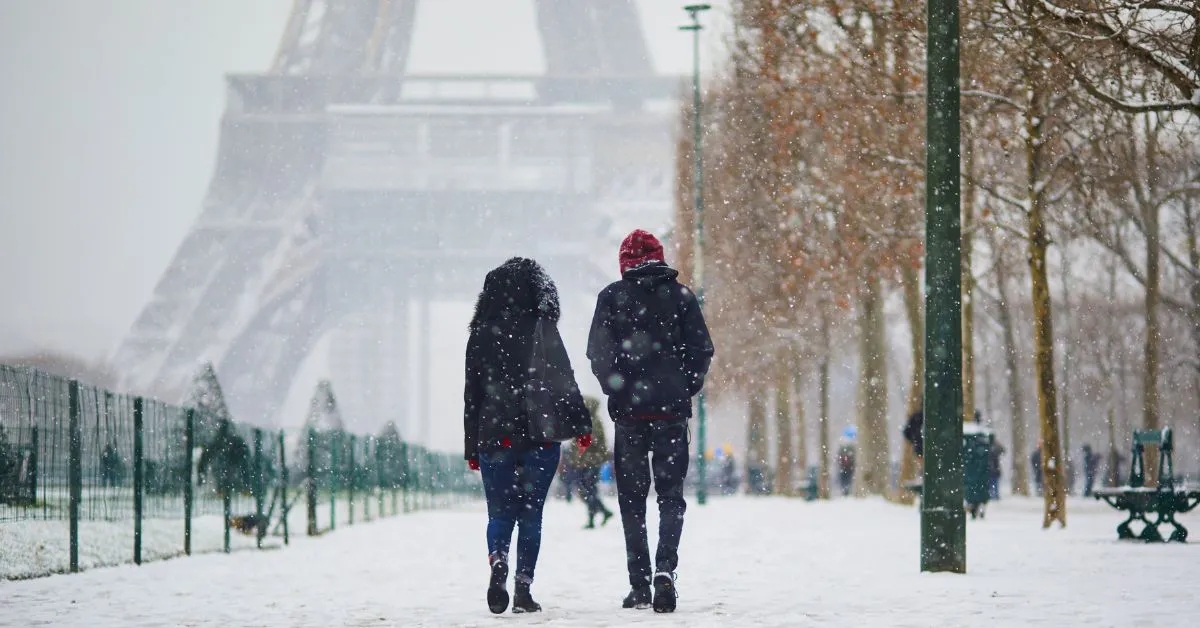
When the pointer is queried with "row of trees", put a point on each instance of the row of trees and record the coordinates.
(1081, 122)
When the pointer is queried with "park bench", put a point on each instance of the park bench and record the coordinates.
(1164, 500)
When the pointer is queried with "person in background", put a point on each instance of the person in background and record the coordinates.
(729, 480)
(914, 432)
(845, 463)
(1035, 461)
(518, 302)
(588, 463)
(568, 473)
(1091, 463)
(995, 456)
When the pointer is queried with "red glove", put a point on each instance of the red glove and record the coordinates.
(473, 463)
(584, 441)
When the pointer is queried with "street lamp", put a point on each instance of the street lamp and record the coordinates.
(694, 11)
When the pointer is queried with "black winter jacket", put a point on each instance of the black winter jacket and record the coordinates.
(515, 295)
(649, 345)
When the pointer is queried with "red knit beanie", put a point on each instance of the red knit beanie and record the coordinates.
(638, 248)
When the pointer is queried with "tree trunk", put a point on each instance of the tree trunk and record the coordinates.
(1113, 451)
(1016, 403)
(911, 282)
(966, 249)
(1066, 387)
(872, 466)
(783, 431)
(1150, 418)
(1193, 240)
(910, 465)
(801, 454)
(1107, 365)
(1043, 325)
(823, 403)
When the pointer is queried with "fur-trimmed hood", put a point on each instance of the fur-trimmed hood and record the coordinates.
(516, 287)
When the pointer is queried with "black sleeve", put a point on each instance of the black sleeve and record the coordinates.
(697, 344)
(472, 398)
(602, 349)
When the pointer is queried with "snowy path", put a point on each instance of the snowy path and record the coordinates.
(745, 562)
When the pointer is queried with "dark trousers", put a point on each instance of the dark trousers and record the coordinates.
(641, 446)
(588, 490)
(515, 484)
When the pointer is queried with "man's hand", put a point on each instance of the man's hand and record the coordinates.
(473, 463)
(584, 441)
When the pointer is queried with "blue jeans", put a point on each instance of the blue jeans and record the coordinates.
(515, 484)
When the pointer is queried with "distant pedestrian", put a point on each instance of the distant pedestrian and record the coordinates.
(1091, 463)
(914, 432)
(650, 350)
(568, 474)
(112, 467)
(1035, 461)
(845, 464)
(587, 465)
(995, 455)
(729, 480)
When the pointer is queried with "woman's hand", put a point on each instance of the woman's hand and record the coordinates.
(584, 441)
(473, 463)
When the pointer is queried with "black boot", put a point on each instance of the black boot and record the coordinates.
(607, 515)
(664, 592)
(523, 601)
(639, 597)
(497, 593)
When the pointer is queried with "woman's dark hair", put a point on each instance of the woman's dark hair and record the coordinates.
(518, 286)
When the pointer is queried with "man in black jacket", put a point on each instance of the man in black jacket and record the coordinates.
(650, 349)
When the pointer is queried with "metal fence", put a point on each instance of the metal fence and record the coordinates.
(138, 479)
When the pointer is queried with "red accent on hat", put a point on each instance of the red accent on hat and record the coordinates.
(638, 248)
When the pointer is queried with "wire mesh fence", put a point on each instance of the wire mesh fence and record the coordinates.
(138, 479)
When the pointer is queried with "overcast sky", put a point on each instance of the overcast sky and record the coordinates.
(109, 113)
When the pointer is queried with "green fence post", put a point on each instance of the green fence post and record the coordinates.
(139, 479)
(350, 482)
(379, 477)
(434, 489)
(74, 472)
(189, 443)
(285, 478)
(33, 465)
(335, 443)
(259, 488)
(366, 480)
(227, 509)
(405, 479)
(312, 482)
(224, 485)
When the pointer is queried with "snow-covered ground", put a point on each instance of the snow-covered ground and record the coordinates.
(35, 547)
(744, 561)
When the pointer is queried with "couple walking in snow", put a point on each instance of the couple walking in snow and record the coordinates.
(649, 349)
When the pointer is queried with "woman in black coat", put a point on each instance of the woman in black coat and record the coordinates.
(517, 301)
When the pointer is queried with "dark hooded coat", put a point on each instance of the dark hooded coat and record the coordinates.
(515, 296)
(649, 345)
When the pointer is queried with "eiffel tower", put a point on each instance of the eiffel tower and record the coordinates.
(349, 193)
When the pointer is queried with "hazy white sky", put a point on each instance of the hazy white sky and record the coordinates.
(109, 112)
